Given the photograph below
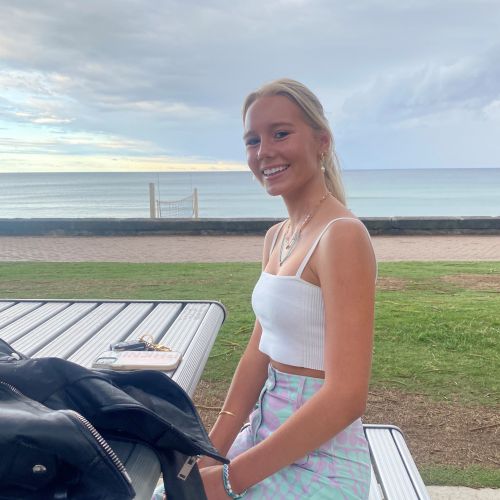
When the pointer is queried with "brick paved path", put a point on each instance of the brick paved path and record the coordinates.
(229, 248)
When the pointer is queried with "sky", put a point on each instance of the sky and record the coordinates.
(147, 85)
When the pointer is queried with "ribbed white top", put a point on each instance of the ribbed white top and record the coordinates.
(291, 312)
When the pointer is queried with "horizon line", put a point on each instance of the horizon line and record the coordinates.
(211, 170)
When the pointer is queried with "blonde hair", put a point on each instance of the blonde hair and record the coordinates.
(314, 115)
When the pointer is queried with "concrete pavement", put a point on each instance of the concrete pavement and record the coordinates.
(229, 248)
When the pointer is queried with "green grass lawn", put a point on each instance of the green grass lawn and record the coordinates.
(473, 476)
(438, 336)
(432, 336)
(437, 332)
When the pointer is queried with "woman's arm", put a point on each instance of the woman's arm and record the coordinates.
(243, 392)
(246, 384)
(345, 266)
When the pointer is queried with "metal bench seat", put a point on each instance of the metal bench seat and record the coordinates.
(394, 473)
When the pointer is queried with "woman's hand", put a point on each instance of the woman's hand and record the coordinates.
(212, 481)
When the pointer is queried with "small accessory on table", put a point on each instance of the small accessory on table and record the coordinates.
(143, 343)
(138, 360)
(128, 345)
(139, 354)
(151, 345)
(227, 484)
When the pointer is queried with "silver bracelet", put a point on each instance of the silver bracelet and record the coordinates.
(227, 484)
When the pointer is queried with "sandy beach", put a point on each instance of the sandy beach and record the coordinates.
(230, 248)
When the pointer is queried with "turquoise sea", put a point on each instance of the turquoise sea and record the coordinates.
(371, 193)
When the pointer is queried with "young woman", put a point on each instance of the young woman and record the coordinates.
(307, 364)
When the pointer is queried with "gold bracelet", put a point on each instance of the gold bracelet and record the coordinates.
(225, 412)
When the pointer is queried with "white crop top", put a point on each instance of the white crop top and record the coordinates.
(291, 313)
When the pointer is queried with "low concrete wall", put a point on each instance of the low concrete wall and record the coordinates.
(432, 225)
(130, 227)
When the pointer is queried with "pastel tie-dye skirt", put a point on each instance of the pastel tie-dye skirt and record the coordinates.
(339, 469)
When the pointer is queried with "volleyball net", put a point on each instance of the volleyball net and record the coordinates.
(177, 209)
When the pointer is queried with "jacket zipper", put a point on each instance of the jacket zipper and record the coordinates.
(103, 444)
(12, 388)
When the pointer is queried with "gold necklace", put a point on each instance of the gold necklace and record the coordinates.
(288, 245)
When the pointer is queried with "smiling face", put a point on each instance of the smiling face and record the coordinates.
(283, 150)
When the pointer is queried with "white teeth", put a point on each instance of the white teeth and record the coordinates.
(274, 170)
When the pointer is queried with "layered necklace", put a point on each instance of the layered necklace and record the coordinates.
(288, 243)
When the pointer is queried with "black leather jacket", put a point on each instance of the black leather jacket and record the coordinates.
(47, 406)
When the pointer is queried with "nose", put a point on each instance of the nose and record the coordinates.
(264, 151)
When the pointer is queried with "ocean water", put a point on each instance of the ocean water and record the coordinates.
(370, 193)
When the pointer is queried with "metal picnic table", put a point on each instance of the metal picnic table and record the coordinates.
(79, 330)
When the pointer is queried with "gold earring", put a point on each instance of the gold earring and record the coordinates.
(322, 162)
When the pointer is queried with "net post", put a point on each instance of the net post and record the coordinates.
(195, 203)
(152, 201)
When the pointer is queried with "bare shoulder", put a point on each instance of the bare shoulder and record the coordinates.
(346, 228)
(346, 246)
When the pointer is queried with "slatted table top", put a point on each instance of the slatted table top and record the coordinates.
(79, 330)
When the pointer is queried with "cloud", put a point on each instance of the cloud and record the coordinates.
(46, 161)
(492, 111)
(468, 85)
(168, 78)
(35, 112)
(161, 109)
(76, 143)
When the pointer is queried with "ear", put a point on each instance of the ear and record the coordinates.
(324, 141)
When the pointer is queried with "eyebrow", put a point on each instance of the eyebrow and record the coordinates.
(272, 126)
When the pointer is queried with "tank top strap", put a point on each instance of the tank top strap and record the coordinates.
(303, 264)
(275, 237)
